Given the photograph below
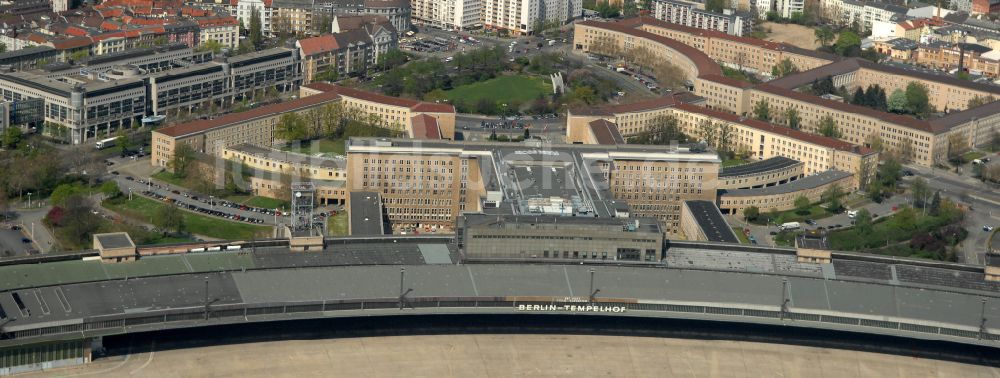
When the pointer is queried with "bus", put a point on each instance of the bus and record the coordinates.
(105, 143)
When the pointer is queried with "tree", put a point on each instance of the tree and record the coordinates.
(958, 145)
(211, 45)
(751, 212)
(823, 86)
(606, 10)
(890, 172)
(661, 130)
(11, 137)
(79, 223)
(629, 8)
(716, 6)
(995, 139)
(79, 55)
(935, 207)
(122, 142)
(64, 191)
(917, 99)
(256, 34)
(828, 127)
(858, 98)
(847, 41)
(802, 204)
(824, 35)
(762, 111)
(110, 189)
(863, 222)
(182, 159)
(391, 59)
(3, 47)
(919, 191)
(709, 131)
(169, 217)
(980, 101)
(291, 126)
(783, 68)
(897, 102)
(832, 197)
(793, 119)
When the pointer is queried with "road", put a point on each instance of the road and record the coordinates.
(983, 198)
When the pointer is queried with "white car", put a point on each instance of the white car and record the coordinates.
(987, 228)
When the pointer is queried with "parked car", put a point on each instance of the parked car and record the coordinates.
(987, 228)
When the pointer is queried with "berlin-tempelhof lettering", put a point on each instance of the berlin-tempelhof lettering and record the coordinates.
(572, 308)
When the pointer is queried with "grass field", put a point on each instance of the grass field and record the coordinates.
(338, 224)
(317, 146)
(733, 162)
(815, 212)
(144, 210)
(168, 178)
(267, 202)
(503, 88)
(742, 236)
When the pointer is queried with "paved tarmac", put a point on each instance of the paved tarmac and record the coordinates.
(515, 355)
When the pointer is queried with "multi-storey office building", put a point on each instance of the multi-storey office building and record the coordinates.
(432, 183)
(447, 14)
(925, 141)
(256, 126)
(271, 170)
(110, 92)
(761, 140)
(688, 14)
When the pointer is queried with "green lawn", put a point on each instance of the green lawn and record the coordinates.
(786, 238)
(896, 234)
(267, 202)
(742, 236)
(504, 88)
(972, 155)
(169, 178)
(338, 224)
(311, 147)
(144, 209)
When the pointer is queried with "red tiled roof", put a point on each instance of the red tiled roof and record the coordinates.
(725, 80)
(606, 132)
(72, 43)
(705, 64)
(843, 107)
(218, 21)
(203, 125)
(414, 105)
(775, 129)
(321, 86)
(333, 92)
(654, 103)
(638, 22)
(424, 127)
(318, 45)
(75, 31)
(429, 107)
(109, 26)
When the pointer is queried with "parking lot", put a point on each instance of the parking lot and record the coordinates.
(14, 243)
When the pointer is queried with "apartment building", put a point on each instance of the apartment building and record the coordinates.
(431, 183)
(293, 16)
(256, 127)
(521, 17)
(399, 12)
(688, 14)
(246, 8)
(222, 29)
(973, 58)
(448, 14)
(355, 46)
(862, 13)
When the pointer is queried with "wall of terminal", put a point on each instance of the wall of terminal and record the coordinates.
(730, 203)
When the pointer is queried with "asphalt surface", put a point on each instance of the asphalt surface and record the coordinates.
(11, 243)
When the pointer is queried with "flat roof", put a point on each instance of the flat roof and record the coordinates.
(479, 219)
(366, 214)
(290, 157)
(115, 240)
(757, 167)
(808, 182)
(710, 220)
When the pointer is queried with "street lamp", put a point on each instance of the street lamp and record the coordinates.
(29, 200)
(211, 200)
